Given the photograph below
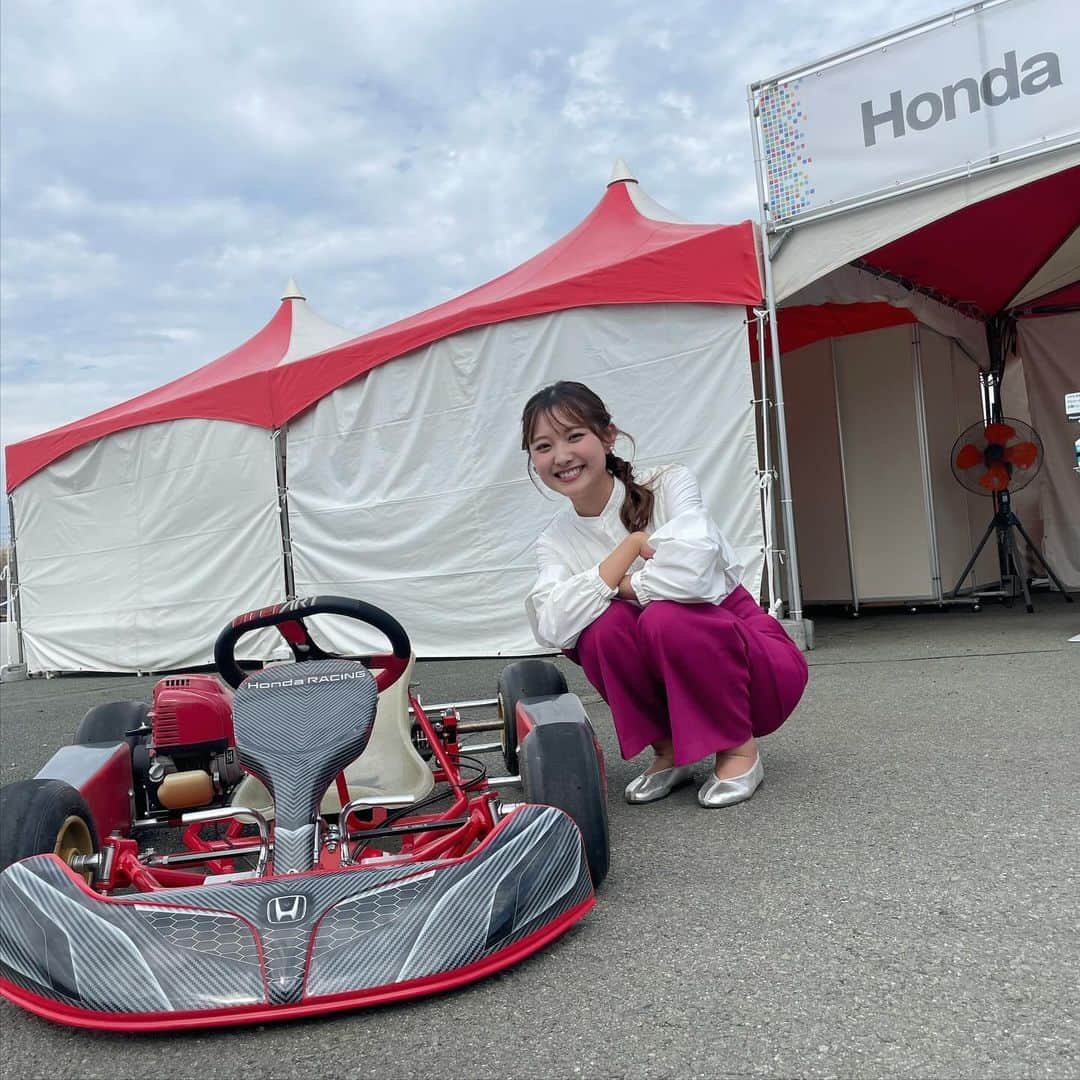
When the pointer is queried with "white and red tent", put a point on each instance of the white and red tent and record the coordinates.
(402, 482)
(882, 356)
(920, 202)
(140, 530)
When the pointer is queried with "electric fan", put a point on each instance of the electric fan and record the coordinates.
(996, 459)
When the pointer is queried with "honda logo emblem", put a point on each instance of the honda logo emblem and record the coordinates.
(286, 909)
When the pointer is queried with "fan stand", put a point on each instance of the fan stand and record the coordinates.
(1003, 522)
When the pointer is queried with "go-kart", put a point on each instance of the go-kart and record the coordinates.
(333, 879)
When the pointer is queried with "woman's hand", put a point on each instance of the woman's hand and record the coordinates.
(644, 548)
(617, 565)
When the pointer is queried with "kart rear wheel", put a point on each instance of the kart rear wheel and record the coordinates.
(560, 766)
(43, 816)
(111, 722)
(523, 679)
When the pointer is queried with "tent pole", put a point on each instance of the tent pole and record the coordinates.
(794, 588)
(14, 603)
(924, 461)
(786, 503)
(766, 474)
(280, 438)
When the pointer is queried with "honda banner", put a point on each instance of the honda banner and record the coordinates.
(967, 91)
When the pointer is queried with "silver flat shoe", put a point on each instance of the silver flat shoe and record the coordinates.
(731, 790)
(648, 787)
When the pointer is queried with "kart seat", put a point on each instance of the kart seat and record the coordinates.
(389, 765)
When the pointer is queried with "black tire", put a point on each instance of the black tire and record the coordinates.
(561, 766)
(42, 816)
(520, 680)
(111, 722)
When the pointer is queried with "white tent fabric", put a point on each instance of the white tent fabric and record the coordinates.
(1061, 269)
(816, 248)
(1049, 350)
(311, 333)
(851, 285)
(136, 550)
(424, 454)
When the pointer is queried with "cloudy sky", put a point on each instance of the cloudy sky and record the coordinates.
(167, 166)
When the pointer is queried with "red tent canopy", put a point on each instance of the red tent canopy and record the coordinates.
(978, 258)
(617, 255)
(984, 254)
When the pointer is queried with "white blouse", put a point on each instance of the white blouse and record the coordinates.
(693, 563)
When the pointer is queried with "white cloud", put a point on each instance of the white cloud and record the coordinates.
(166, 167)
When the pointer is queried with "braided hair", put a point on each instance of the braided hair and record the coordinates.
(576, 403)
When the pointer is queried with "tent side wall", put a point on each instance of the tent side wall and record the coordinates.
(135, 550)
(1050, 349)
(423, 455)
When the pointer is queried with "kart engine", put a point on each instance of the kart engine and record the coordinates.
(190, 759)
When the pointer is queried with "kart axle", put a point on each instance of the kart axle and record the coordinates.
(397, 830)
(479, 725)
(477, 703)
(202, 856)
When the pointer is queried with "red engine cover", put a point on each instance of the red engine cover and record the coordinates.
(191, 709)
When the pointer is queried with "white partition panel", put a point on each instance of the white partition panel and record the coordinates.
(408, 487)
(135, 550)
(889, 527)
(816, 475)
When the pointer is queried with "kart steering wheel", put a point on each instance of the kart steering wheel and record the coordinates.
(289, 619)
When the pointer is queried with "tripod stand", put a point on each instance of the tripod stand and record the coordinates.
(1003, 522)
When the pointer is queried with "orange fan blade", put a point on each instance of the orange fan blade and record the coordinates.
(969, 457)
(996, 478)
(999, 433)
(1022, 454)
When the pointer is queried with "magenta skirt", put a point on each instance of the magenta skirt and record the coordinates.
(709, 676)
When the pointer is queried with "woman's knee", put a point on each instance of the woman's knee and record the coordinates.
(669, 625)
(663, 621)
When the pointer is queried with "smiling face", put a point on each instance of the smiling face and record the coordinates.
(571, 458)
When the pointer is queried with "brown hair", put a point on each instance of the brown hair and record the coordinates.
(578, 404)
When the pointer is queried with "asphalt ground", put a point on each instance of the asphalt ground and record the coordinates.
(899, 899)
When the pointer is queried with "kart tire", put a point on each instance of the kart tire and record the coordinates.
(560, 766)
(111, 722)
(523, 679)
(42, 816)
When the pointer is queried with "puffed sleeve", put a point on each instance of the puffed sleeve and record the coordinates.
(693, 563)
(561, 603)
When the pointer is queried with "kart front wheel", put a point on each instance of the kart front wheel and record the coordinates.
(42, 817)
(561, 766)
(523, 679)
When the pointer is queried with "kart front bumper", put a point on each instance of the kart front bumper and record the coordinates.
(302, 944)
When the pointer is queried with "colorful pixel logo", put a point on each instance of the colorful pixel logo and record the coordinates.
(786, 157)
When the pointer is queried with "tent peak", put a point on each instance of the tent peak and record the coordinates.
(292, 291)
(621, 171)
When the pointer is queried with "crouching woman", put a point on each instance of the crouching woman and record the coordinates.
(638, 586)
